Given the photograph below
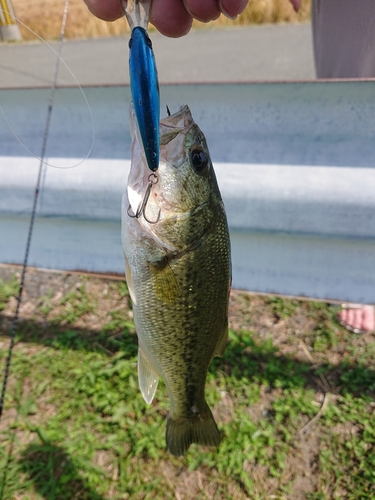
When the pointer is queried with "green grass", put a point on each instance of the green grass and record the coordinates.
(77, 303)
(75, 425)
(8, 289)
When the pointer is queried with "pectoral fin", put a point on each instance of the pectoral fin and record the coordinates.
(147, 377)
(164, 281)
(222, 342)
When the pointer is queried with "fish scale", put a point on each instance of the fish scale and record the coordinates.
(178, 272)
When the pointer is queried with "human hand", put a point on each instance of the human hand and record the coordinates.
(296, 4)
(173, 17)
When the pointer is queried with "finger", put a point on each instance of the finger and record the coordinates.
(350, 317)
(357, 319)
(232, 8)
(368, 318)
(343, 315)
(347, 317)
(170, 17)
(203, 11)
(296, 4)
(110, 10)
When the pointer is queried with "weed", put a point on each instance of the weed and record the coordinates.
(77, 303)
(282, 308)
(45, 305)
(79, 427)
(123, 289)
(325, 337)
(8, 289)
(119, 322)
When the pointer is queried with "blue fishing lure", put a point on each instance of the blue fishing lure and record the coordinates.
(145, 93)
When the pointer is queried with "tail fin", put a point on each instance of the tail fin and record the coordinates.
(201, 430)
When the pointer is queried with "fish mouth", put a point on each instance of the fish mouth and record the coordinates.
(173, 129)
(172, 125)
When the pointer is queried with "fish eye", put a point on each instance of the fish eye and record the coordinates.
(199, 160)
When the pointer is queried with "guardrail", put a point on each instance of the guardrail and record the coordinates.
(295, 163)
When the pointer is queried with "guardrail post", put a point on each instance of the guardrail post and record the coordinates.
(9, 29)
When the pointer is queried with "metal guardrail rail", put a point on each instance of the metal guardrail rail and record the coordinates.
(295, 163)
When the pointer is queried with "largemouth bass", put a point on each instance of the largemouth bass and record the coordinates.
(177, 264)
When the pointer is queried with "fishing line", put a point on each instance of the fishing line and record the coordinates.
(58, 61)
(33, 213)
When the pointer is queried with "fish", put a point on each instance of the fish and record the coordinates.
(177, 264)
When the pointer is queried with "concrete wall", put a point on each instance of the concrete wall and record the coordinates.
(295, 164)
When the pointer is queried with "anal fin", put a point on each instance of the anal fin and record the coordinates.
(222, 343)
(147, 377)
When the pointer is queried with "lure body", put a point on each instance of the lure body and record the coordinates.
(145, 93)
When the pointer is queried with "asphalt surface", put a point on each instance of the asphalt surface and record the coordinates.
(238, 54)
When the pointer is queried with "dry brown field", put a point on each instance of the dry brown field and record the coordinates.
(44, 17)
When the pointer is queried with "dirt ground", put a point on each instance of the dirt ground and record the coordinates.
(295, 327)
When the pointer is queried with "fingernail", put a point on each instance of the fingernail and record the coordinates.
(225, 12)
(193, 15)
(187, 8)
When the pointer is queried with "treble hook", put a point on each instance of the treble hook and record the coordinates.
(141, 210)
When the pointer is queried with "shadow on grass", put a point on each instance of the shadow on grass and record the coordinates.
(249, 360)
(54, 474)
(53, 334)
(243, 359)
